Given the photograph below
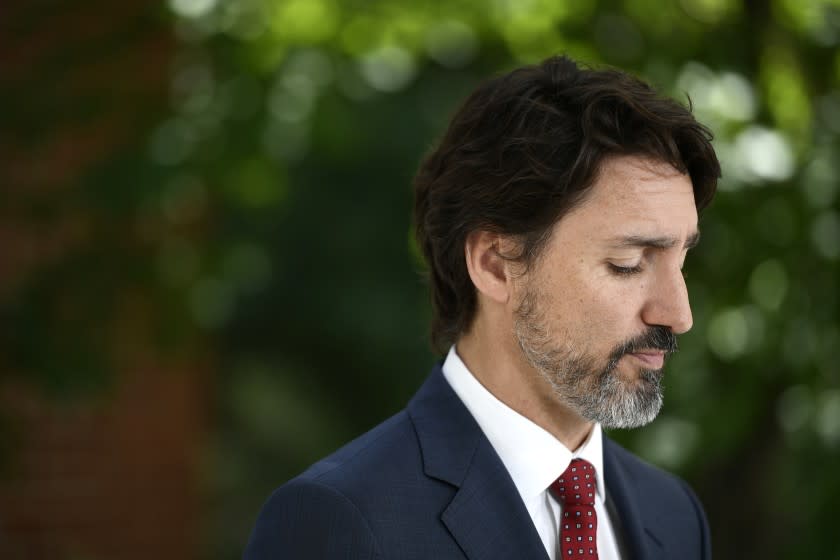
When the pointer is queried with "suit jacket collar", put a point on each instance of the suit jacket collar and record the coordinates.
(486, 515)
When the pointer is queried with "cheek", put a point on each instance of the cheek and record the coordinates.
(605, 310)
(591, 306)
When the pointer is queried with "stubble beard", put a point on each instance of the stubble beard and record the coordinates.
(595, 392)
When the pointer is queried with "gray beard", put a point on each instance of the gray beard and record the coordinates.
(596, 394)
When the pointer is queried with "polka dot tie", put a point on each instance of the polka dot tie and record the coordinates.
(575, 490)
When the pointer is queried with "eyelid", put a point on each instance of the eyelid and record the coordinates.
(624, 270)
(626, 262)
(634, 263)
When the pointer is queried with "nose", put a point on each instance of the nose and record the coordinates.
(668, 304)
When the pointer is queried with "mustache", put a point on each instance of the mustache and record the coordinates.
(658, 337)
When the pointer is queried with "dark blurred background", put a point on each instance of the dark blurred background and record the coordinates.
(208, 278)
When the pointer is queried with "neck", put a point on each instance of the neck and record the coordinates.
(498, 364)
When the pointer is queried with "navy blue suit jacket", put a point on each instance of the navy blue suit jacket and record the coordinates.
(427, 484)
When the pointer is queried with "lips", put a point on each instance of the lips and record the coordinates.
(653, 359)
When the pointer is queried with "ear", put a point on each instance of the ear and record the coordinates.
(489, 270)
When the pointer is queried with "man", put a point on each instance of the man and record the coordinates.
(555, 216)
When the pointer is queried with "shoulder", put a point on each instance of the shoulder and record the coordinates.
(389, 450)
(338, 507)
(307, 519)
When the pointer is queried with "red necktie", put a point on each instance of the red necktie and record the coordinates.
(575, 490)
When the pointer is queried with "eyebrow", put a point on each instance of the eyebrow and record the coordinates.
(655, 242)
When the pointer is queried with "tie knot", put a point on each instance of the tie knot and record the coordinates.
(576, 486)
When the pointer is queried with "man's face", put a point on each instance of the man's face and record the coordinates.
(597, 312)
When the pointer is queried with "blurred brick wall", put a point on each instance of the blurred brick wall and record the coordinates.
(111, 478)
(106, 474)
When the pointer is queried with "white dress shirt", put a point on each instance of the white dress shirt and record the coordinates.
(533, 457)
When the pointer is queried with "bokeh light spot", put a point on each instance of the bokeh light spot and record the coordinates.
(451, 43)
(733, 97)
(828, 417)
(763, 154)
(825, 234)
(668, 441)
(286, 142)
(794, 408)
(734, 332)
(304, 21)
(292, 100)
(717, 98)
(388, 69)
(191, 8)
(819, 180)
(768, 284)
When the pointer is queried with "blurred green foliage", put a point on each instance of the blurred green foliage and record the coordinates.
(277, 194)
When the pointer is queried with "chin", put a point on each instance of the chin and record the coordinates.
(619, 402)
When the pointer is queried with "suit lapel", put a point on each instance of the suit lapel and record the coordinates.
(486, 516)
(639, 535)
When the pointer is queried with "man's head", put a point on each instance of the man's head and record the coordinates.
(600, 307)
(584, 186)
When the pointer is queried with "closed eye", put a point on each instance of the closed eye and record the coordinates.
(624, 270)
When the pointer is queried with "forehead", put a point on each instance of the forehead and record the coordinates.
(635, 196)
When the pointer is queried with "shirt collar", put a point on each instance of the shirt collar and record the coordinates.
(533, 457)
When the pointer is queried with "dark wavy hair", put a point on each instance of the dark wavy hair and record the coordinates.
(523, 150)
